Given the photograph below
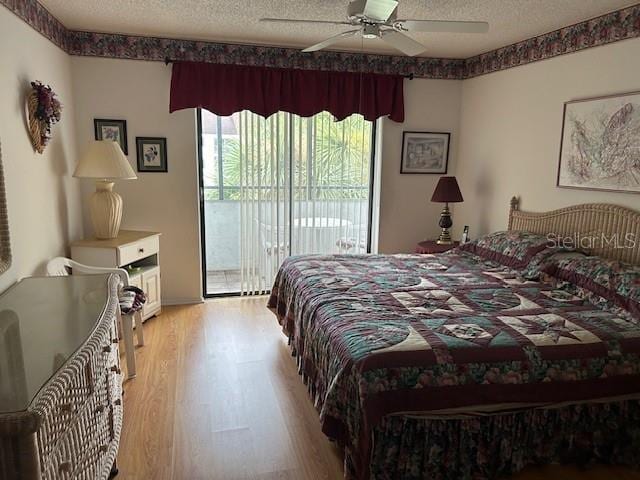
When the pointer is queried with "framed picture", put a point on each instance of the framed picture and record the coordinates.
(152, 154)
(425, 152)
(115, 130)
(600, 144)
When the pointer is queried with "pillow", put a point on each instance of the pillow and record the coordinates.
(600, 281)
(513, 248)
(547, 258)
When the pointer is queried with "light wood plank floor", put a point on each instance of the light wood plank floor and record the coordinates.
(218, 396)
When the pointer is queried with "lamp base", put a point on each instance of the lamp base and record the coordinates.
(445, 223)
(444, 239)
(105, 207)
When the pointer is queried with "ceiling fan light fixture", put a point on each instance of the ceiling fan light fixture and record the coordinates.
(355, 8)
(370, 31)
(379, 19)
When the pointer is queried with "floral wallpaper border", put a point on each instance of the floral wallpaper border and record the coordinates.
(153, 48)
(39, 18)
(611, 27)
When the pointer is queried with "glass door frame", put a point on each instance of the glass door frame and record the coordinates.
(201, 201)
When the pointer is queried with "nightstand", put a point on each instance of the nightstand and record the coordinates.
(431, 246)
(136, 252)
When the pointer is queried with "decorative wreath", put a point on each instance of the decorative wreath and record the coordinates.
(44, 111)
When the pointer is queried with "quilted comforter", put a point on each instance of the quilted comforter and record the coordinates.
(376, 335)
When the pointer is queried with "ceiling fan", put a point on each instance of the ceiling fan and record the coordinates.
(378, 19)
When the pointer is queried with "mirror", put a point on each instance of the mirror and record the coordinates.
(5, 245)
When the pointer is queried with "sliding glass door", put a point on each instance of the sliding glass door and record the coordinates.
(280, 186)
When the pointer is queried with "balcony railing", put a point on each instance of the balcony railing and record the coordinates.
(301, 192)
(222, 222)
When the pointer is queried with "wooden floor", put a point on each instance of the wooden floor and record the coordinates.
(217, 397)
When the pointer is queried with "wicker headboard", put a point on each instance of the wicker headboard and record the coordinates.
(609, 231)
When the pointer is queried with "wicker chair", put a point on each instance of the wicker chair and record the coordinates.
(61, 266)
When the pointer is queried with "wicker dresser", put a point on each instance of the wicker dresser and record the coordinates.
(60, 385)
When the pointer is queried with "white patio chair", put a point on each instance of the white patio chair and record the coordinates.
(271, 250)
(356, 240)
(60, 266)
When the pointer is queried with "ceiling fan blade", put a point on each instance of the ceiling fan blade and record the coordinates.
(379, 9)
(400, 41)
(293, 20)
(330, 41)
(444, 26)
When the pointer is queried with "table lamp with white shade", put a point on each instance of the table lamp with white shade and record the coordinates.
(105, 162)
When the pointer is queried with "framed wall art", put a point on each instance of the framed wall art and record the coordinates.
(152, 154)
(115, 130)
(600, 146)
(425, 152)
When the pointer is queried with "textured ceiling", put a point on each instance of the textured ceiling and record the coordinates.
(237, 21)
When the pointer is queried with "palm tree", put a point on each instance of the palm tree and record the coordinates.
(330, 160)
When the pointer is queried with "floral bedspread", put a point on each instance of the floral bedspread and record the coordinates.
(385, 334)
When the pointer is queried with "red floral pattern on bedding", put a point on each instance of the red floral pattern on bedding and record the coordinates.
(519, 250)
(377, 335)
(608, 283)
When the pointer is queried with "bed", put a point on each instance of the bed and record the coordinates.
(456, 366)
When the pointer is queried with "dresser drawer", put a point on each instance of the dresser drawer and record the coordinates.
(114, 387)
(95, 433)
(106, 357)
(78, 452)
(105, 352)
(60, 464)
(135, 251)
(65, 400)
(55, 422)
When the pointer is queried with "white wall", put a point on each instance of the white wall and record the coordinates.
(407, 215)
(511, 124)
(43, 200)
(505, 131)
(138, 92)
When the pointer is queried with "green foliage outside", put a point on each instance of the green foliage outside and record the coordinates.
(322, 159)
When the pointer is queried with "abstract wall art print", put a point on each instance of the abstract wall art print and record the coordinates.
(424, 152)
(600, 148)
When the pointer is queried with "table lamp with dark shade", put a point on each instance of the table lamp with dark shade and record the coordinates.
(447, 191)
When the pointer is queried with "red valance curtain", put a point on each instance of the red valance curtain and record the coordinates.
(226, 89)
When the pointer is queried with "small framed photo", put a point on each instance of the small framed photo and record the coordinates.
(465, 235)
(425, 152)
(115, 130)
(152, 154)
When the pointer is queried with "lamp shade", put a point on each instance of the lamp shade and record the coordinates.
(104, 159)
(447, 191)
